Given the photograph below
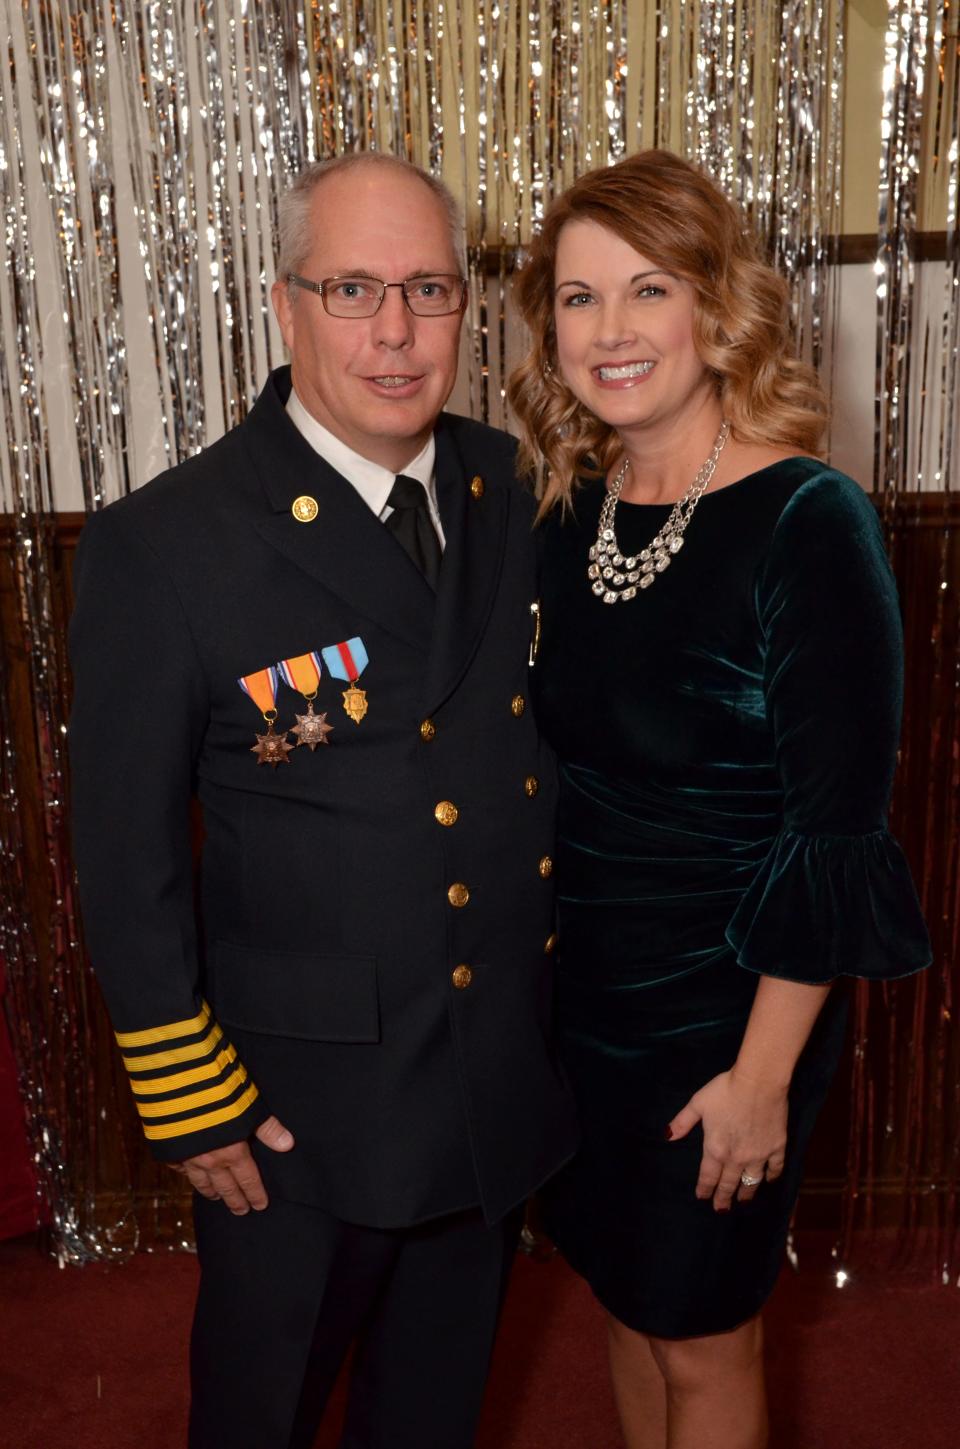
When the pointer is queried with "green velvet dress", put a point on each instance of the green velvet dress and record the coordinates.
(727, 742)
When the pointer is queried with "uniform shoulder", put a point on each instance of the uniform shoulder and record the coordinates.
(479, 442)
(198, 485)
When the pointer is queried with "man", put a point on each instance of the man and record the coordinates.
(321, 625)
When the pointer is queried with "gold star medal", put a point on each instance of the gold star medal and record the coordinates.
(303, 675)
(261, 686)
(347, 661)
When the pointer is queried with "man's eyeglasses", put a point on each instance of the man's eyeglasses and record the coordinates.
(435, 295)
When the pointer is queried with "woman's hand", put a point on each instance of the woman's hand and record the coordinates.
(744, 1131)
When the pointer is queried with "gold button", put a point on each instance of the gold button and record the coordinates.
(545, 867)
(462, 977)
(477, 486)
(427, 729)
(304, 508)
(517, 705)
(446, 812)
(531, 785)
(458, 895)
(550, 944)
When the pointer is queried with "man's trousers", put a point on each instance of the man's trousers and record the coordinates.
(284, 1293)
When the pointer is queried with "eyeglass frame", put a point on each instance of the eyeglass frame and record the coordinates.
(318, 287)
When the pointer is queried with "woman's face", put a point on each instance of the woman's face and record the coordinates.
(624, 331)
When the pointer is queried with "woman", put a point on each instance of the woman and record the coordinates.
(720, 674)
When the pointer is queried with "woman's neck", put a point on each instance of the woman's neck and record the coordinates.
(664, 461)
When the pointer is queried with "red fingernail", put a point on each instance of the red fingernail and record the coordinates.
(724, 1209)
(668, 1133)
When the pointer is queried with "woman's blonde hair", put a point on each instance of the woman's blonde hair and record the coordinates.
(678, 218)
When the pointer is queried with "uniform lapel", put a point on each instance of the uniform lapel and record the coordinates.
(475, 532)
(346, 548)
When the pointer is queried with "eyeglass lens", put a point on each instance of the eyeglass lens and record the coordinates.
(430, 296)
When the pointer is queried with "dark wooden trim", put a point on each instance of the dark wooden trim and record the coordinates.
(64, 527)
(928, 246)
(850, 249)
(915, 524)
(939, 509)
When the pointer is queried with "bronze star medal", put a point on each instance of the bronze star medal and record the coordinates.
(261, 686)
(271, 748)
(311, 729)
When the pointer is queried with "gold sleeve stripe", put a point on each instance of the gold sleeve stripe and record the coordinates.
(206, 1119)
(194, 1099)
(157, 1034)
(176, 1056)
(184, 1079)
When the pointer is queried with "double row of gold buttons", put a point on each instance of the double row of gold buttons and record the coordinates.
(446, 813)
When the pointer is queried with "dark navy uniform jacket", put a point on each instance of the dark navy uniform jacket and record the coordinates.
(376, 976)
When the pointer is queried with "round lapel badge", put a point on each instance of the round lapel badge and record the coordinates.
(304, 508)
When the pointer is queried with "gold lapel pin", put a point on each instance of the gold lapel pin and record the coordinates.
(304, 508)
(476, 486)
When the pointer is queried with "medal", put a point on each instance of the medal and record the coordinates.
(348, 661)
(271, 748)
(303, 675)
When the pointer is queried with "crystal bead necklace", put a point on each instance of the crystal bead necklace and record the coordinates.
(614, 576)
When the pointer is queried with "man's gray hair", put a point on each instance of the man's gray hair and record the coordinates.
(296, 234)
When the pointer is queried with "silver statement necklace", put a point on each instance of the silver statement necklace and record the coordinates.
(614, 576)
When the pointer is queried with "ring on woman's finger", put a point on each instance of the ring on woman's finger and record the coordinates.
(749, 1181)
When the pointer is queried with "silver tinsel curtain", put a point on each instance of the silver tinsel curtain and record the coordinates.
(143, 148)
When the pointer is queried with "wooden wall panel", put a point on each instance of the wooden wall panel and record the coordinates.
(925, 545)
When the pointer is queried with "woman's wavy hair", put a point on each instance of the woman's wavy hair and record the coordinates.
(678, 218)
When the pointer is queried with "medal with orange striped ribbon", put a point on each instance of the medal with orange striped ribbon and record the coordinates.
(303, 675)
(261, 686)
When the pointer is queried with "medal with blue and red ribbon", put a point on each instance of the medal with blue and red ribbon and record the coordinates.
(303, 675)
(261, 686)
(348, 661)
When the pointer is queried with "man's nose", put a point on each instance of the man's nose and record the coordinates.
(393, 324)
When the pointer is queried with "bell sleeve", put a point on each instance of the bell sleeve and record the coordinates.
(834, 896)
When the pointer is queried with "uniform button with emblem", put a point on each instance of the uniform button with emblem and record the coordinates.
(545, 867)
(550, 944)
(304, 508)
(462, 977)
(476, 486)
(446, 812)
(458, 895)
(427, 729)
(517, 705)
(530, 786)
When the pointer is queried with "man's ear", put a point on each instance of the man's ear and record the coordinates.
(283, 306)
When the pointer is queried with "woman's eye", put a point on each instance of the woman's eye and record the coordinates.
(577, 299)
(651, 290)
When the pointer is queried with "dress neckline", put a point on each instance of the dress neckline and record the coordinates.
(728, 487)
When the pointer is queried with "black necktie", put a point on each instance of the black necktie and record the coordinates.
(412, 527)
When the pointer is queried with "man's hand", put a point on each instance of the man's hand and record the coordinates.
(231, 1173)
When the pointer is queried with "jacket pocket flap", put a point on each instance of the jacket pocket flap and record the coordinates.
(288, 993)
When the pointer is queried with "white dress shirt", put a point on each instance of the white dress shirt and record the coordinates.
(371, 481)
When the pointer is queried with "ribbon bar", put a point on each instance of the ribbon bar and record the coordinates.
(262, 688)
(347, 660)
(302, 673)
